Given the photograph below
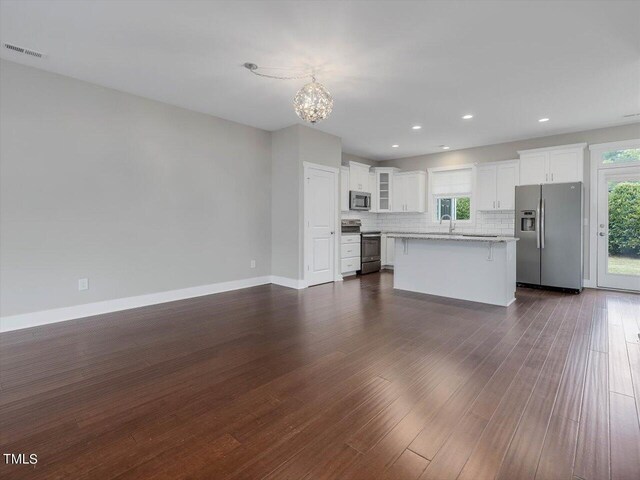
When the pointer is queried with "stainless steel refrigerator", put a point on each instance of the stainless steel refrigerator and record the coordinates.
(549, 229)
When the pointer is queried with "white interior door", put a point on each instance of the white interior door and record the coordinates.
(320, 223)
(618, 239)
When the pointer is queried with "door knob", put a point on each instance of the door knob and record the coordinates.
(602, 234)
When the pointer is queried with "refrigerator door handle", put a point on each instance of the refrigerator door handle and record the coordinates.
(538, 225)
(542, 222)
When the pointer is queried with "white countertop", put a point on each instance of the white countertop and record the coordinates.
(469, 237)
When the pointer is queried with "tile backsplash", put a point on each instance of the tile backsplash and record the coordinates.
(498, 223)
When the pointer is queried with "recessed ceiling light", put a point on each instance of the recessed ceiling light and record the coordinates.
(395, 145)
(445, 147)
(542, 120)
(468, 116)
(416, 127)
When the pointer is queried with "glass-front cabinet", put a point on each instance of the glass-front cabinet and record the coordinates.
(384, 189)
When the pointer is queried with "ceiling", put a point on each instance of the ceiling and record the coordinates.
(388, 64)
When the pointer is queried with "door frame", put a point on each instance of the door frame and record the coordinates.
(595, 154)
(337, 276)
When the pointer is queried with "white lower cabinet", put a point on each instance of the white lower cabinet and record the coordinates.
(350, 250)
(350, 254)
(350, 266)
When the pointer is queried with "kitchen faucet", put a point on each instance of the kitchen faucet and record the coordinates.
(451, 226)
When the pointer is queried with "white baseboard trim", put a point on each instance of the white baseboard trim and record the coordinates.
(288, 282)
(43, 317)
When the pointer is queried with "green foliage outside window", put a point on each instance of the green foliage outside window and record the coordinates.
(622, 156)
(463, 208)
(624, 219)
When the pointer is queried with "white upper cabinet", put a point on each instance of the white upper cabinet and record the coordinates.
(552, 165)
(374, 191)
(409, 192)
(486, 178)
(496, 185)
(359, 177)
(533, 168)
(507, 177)
(383, 189)
(565, 166)
(344, 189)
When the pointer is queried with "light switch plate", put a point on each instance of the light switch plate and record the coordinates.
(83, 284)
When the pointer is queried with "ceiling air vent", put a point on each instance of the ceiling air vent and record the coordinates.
(25, 51)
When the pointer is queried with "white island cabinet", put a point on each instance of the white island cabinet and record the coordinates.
(476, 268)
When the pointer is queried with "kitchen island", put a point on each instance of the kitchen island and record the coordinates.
(479, 268)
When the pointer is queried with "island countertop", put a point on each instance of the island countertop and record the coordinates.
(467, 237)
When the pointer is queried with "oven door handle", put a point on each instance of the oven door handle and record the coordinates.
(370, 235)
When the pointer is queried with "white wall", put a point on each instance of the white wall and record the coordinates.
(134, 194)
(286, 203)
(292, 146)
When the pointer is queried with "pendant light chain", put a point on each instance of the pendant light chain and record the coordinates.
(313, 102)
(253, 68)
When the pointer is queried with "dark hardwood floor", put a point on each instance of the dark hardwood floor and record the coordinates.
(351, 380)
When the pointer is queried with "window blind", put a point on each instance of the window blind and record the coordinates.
(451, 182)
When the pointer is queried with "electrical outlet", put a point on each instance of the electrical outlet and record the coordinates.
(83, 284)
(253, 264)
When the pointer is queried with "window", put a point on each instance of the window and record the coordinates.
(459, 208)
(450, 190)
(621, 156)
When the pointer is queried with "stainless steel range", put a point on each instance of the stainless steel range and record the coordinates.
(370, 243)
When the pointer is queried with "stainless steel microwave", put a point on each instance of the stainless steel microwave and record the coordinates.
(359, 200)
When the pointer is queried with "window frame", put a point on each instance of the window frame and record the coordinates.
(433, 199)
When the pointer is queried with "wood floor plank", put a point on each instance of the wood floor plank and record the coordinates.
(406, 431)
(522, 456)
(485, 461)
(634, 360)
(451, 458)
(592, 452)
(409, 466)
(599, 340)
(625, 437)
(437, 429)
(556, 458)
(270, 382)
(619, 366)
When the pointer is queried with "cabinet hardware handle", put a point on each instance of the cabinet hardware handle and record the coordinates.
(546, 177)
(552, 177)
(494, 204)
(498, 203)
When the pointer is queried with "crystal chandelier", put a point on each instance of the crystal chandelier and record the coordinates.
(313, 102)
